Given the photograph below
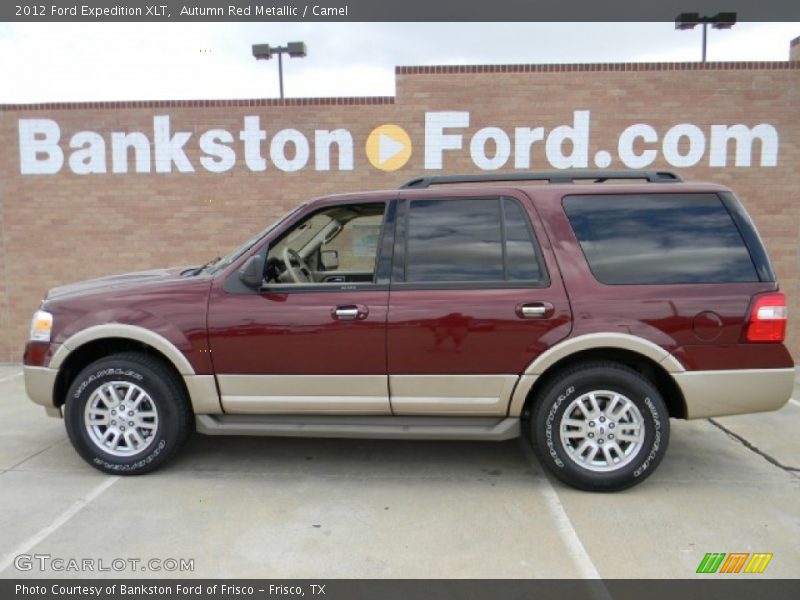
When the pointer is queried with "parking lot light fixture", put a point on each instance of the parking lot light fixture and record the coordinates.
(686, 21)
(265, 52)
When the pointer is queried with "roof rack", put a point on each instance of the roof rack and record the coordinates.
(567, 176)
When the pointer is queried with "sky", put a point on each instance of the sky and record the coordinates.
(65, 62)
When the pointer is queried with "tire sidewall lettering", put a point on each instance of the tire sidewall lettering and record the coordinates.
(555, 400)
(102, 373)
(134, 465)
(551, 416)
(153, 383)
(99, 377)
(656, 445)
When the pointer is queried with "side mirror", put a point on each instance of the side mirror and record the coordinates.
(330, 260)
(251, 273)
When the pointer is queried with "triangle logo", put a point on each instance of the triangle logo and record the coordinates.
(388, 147)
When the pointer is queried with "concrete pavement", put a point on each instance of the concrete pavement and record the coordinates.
(286, 508)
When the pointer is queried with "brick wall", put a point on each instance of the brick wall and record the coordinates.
(64, 227)
(6, 337)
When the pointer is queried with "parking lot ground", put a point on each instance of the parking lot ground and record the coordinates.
(316, 508)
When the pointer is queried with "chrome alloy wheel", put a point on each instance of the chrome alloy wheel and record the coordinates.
(602, 431)
(121, 418)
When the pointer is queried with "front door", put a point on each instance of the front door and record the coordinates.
(313, 338)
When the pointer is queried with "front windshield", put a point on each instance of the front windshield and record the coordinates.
(223, 262)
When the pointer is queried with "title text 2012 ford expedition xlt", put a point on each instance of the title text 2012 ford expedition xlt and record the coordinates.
(580, 309)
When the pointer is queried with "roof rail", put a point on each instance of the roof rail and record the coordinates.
(566, 176)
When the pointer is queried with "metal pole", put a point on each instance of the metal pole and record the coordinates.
(705, 27)
(280, 65)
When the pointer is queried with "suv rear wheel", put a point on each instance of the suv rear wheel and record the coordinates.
(127, 413)
(600, 427)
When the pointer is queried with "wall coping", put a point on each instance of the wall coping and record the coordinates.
(240, 103)
(598, 67)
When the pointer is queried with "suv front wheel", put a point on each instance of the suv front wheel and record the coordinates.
(600, 427)
(127, 413)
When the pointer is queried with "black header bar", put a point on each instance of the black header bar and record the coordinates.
(711, 588)
(389, 10)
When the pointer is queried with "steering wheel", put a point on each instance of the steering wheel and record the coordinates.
(300, 273)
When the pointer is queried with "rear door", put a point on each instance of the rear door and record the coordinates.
(475, 297)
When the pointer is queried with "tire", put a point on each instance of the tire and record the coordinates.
(154, 403)
(575, 417)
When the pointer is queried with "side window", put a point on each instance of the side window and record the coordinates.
(335, 245)
(454, 240)
(659, 239)
(470, 240)
(522, 260)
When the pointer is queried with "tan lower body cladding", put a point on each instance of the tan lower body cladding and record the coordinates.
(706, 393)
(467, 395)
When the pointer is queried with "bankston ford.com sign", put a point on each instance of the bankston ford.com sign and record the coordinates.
(44, 150)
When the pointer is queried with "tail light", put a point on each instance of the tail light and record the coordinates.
(767, 321)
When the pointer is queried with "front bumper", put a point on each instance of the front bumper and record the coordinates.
(722, 393)
(39, 385)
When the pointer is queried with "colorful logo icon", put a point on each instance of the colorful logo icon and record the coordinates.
(734, 562)
(388, 147)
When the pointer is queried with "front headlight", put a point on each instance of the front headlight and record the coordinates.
(41, 325)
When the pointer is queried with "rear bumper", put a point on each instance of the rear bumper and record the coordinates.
(721, 393)
(39, 385)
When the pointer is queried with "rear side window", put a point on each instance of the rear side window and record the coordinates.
(470, 240)
(659, 239)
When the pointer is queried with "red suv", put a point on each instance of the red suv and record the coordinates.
(581, 309)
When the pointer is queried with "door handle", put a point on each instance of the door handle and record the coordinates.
(350, 312)
(535, 310)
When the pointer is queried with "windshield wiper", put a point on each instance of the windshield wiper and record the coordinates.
(210, 263)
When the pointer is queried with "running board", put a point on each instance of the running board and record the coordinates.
(388, 427)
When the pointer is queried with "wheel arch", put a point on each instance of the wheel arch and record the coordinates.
(648, 359)
(70, 361)
(126, 333)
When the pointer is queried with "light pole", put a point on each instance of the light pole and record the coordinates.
(293, 49)
(719, 21)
